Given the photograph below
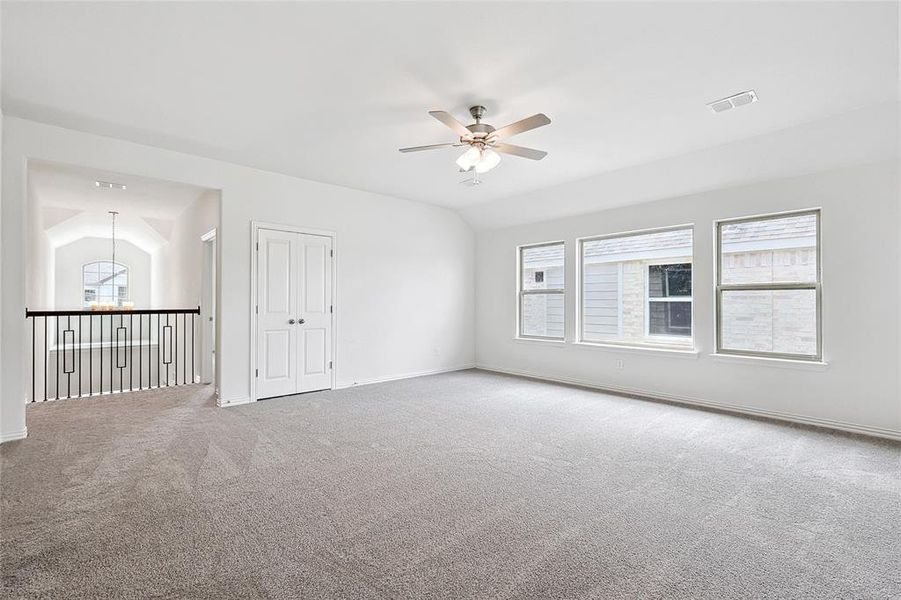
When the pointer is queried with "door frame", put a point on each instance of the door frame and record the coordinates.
(209, 285)
(255, 227)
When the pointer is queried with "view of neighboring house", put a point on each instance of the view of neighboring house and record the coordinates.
(637, 288)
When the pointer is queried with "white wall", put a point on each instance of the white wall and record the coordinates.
(39, 258)
(860, 237)
(404, 269)
(177, 265)
(71, 258)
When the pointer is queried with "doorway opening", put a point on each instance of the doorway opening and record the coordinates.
(114, 281)
(208, 305)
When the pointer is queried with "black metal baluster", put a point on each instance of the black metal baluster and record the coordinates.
(91, 355)
(131, 352)
(167, 336)
(79, 356)
(140, 350)
(112, 332)
(45, 358)
(33, 357)
(68, 373)
(150, 350)
(56, 331)
(193, 352)
(122, 366)
(101, 354)
(159, 351)
(184, 347)
(175, 343)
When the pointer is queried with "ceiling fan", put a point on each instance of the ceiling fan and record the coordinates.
(484, 140)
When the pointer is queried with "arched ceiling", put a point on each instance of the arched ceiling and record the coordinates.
(73, 207)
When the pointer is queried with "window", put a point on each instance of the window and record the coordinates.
(541, 299)
(104, 282)
(635, 288)
(768, 286)
(669, 300)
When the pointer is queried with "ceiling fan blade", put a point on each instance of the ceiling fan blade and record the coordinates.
(430, 147)
(526, 124)
(520, 151)
(450, 121)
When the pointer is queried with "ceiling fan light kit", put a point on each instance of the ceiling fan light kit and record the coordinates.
(484, 140)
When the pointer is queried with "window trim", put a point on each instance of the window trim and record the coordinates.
(654, 342)
(720, 287)
(521, 293)
(106, 260)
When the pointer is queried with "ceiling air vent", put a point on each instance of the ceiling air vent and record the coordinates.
(109, 185)
(733, 101)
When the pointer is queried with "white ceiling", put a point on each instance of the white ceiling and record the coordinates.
(73, 207)
(329, 91)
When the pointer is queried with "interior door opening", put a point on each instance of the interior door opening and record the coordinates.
(208, 309)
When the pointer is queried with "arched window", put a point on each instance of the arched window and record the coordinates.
(105, 282)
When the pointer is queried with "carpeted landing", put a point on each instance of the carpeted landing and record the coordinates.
(464, 485)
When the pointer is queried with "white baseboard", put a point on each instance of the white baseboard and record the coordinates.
(407, 376)
(880, 432)
(14, 435)
(233, 402)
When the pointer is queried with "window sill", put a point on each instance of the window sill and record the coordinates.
(549, 341)
(764, 361)
(688, 353)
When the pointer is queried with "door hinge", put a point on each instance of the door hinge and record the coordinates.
(258, 373)
(329, 364)
(331, 308)
(258, 246)
(331, 253)
(257, 309)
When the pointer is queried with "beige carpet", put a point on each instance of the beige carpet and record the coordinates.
(465, 485)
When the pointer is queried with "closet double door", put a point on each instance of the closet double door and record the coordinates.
(294, 313)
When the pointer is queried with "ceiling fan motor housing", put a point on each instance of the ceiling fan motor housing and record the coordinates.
(480, 130)
(477, 112)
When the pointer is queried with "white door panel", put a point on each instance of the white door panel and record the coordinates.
(315, 264)
(276, 303)
(314, 348)
(277, 359)
(315, 283)
(294, 283)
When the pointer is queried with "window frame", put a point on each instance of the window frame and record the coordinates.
(522, 293)
(817, 286)
(654, 342)
(664, 338)
(106, 260)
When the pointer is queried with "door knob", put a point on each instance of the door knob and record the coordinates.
(300, 321)
(291, 321)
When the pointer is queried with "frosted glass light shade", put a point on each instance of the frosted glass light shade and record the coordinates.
(490, 159)
(469, 159)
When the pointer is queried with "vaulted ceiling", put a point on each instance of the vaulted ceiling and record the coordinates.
(329, 91)
(73, 207)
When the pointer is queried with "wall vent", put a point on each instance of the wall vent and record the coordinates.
(109, 185)
(740, 99)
